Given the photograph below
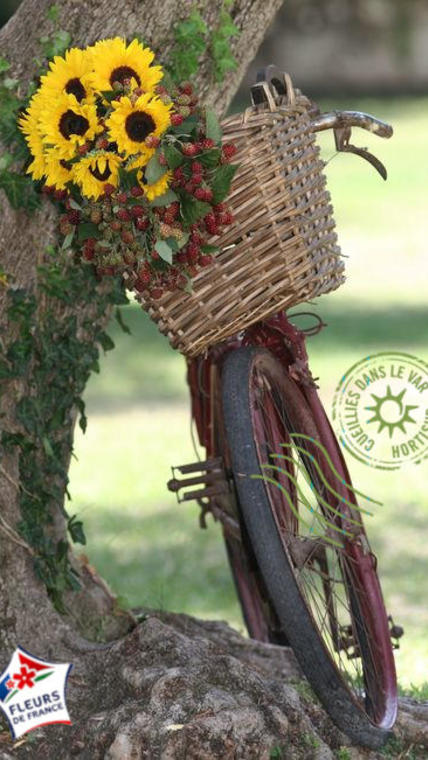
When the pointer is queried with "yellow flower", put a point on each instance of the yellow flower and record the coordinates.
(114, 61)
(156, 188)
(91, 173)
(57, 171)
(69, 75)
(130, 123)
(29, 125)
(66, 124)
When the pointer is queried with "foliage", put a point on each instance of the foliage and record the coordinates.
(58, 354)
(192, 37)
(222, 56)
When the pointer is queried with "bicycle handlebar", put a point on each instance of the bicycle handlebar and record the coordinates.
(343, 119)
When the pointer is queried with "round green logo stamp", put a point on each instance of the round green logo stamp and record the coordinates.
(380, 410)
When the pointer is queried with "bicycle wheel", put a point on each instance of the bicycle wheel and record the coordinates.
(316, 564)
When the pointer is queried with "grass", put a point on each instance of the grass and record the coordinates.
(151, 549)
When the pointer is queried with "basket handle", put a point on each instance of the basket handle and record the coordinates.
(272, 83)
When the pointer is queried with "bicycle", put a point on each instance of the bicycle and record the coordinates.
(262, 424)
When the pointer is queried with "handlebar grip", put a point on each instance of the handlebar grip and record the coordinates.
(342, 119)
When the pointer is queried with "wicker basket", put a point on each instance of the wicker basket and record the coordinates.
(282, 247)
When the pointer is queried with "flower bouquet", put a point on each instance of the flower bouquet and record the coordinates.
(136, 163)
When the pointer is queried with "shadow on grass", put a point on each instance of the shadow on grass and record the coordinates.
(164, 560)
(143, 368)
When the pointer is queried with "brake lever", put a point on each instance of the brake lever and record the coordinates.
(342, 136)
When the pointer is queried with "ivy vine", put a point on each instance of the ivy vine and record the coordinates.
(54, 354)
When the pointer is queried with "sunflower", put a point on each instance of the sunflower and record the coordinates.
(156, 188)
(57, 171)
(69, 75)
(91, 173)
(114, 61)
(130, 123)
(29, 125)
(66, 123)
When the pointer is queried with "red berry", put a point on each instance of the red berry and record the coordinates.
(109, 189)
(199, 193)
(73, 216)
(190, 149)
(137, 211)
(197, 179)
(88, 253)
(205, 260)
(154, 254)
(176, 119)
(142, 224)
(178, 173)
(186, 87)
(123, 215)
(121, 197)
(210, 218)
(229, 150)
(220, 207)
(197, 167)
(189, 187)
(156, 293)
(115, 225)
(137, 191)
(60, 195)
(181, 257)
(208, 143)
(152, 141)
(208, 194)
(144, 276)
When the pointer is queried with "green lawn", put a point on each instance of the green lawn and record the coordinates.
(151, 549)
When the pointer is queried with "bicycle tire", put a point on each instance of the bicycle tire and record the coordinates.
(279, 573)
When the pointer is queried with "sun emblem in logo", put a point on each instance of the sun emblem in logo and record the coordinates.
(390, 411)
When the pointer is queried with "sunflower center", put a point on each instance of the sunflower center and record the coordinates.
(138, 125)
(123, 72)
(75, 87)
(101, 176)
(72, 123)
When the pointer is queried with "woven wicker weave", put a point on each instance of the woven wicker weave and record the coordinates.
(282, 247)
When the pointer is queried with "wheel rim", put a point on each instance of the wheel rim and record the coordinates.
(338, 585)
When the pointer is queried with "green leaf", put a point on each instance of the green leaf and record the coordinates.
(4, 64)
(105, 341)
(52, 13)
(173, 156)
(220, 184)
(5, 161)
(210, 248)
(127, 178)
(210, 158)
(88, 230)
(47, 446)
(119, 319)
(213, 128)
(154, 170)
(165, 199)
(19, 189)
(68, 239)
(74, 204)
(192, 209)
(164, 251)
(10, 83)
(183, 239)
(75, 528)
